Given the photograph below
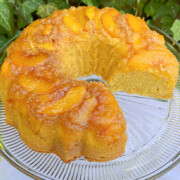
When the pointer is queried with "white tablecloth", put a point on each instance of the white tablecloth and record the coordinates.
(8, 172)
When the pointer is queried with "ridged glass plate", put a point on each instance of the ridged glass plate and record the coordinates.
(153, 128)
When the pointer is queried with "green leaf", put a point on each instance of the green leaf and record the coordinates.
(171, 8)
(11, 1)
(90, 2)
(55, 1)
(140, 5)
(130, 2)
(6, 18)
(167, 22)
(63, 5)
(30, 6)
(151, 8)
(150, 21)
(172, 3)
(163, 10)
(131, 11)
(176, 30)
(122, 12)
(174, 6)
(96, 3)
(118, 4)
(2, 31)
(9, 41)
(104, 3)
(22, 23)
(3, 40)
(46, 10)
(27, 8)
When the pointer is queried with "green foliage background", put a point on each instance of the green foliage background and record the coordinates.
(17, 14)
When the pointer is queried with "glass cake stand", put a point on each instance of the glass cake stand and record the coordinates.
(153, 145)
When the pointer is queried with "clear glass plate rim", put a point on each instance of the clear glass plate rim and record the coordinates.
(6, 155)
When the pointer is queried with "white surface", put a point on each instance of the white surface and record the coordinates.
(8, 172)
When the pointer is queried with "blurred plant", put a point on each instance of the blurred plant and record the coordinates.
(17, 14)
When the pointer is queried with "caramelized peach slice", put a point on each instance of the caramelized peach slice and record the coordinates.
(80, 15)
(23, 44)
(153, 38)
(29, 30)
(71, 22)
(154, 61)
(137, 42)
(73, 97)
(106, 110)
(21, 59)
(117, 128)
(5, 67)
(136, 23)
(46, 46)
(85, 111)
(109, 22)
(32, 47)
(98, 17)
(90, 12)
(47, 29)
(44, 98)
(123, 48)
(36, 85)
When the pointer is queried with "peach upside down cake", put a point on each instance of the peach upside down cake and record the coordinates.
(53, 111)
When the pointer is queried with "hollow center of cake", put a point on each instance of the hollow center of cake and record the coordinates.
(93, 78)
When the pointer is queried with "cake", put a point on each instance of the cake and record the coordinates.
(55, 112)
